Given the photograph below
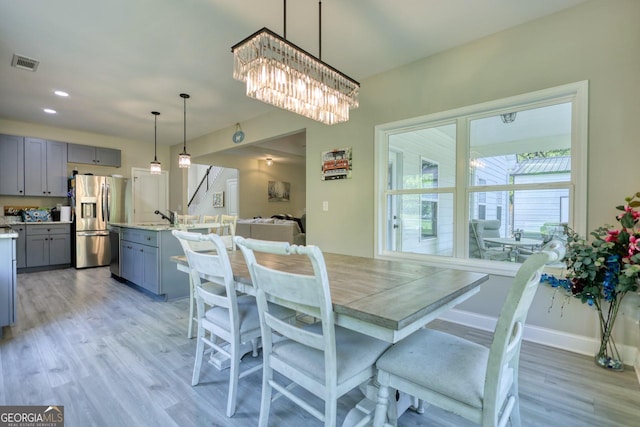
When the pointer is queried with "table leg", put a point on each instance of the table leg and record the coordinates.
(362, 414)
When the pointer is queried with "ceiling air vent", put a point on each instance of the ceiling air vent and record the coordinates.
(25, 63)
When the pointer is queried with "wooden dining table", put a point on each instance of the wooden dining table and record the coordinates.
(385, 299)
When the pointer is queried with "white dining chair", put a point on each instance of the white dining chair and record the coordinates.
(198, 246)
(188, 219)
(325, 359)
(460, 376)
(210, 218)
(231, 320)
(227, 230)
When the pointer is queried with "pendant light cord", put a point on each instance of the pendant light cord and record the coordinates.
(184, 134)
(320, 30)
(284, 18)
(155, 140)
(184, 144)
(155, 136)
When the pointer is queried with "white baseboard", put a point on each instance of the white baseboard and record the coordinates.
(562, 340)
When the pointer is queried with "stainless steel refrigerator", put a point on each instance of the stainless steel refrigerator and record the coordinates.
(97, 201)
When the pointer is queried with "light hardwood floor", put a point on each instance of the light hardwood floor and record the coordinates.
(115, 357)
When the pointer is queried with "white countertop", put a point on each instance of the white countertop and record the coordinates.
(157, 226)
(5, 221)
(7, 233)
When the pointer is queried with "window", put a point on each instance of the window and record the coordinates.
(523, 160)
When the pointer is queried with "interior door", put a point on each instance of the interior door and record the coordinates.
(232, 196)
(150, 193)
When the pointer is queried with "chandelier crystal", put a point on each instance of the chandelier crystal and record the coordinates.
(281, 74)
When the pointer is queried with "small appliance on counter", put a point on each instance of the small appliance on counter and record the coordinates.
(96, 201)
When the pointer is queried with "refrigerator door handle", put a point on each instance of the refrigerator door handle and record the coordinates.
(102, 200)
(107, 202)
(91, 233)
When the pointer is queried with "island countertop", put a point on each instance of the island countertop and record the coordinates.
(158, 226)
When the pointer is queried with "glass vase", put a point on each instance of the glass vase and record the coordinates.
(608, 356)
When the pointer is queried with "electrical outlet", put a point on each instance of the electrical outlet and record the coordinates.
(325, 206)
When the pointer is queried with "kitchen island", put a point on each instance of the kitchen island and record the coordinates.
(144, 258)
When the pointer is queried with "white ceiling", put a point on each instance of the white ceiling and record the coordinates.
(121, 59)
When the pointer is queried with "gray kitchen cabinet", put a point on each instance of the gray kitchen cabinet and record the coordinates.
(98, 156)
(48, 245)
(145, 260)
(21, 245)
(139, 258)
(12, 165)
(45, 166)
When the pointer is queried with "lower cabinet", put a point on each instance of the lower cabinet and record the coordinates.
(21, 245)
(47, 245)
(145, 260)
(140, 265)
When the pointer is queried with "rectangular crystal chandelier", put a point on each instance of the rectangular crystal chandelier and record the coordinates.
(280, 73)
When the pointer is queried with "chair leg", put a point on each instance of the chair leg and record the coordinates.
(265, 401)
(330, 411)
(254, 347)
(195, 379)
(234, 373)
(419, 408)
(515, 413)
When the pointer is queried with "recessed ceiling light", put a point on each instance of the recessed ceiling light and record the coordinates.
(50, 111)
(61, 93)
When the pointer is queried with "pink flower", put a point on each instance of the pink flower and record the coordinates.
(635, 214)
(612, 236)
(634, 245)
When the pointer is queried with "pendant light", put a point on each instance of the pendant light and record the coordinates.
(184, 159)
(155, 167)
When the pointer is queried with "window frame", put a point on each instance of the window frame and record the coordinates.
(576, 93)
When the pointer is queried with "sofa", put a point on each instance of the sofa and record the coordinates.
(280, 230)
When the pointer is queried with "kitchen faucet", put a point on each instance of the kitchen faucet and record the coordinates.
(171, 218)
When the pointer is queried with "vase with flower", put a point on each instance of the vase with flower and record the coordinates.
(601, 271)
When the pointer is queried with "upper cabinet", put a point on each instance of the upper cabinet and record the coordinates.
(98, 156)
(12, 165)
(45, 166)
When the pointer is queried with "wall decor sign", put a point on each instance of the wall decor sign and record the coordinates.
(336, 164)
(218, 199)
(278, 191)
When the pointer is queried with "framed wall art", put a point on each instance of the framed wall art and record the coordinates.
(337, 164)
(278, 191)
(218, 199)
